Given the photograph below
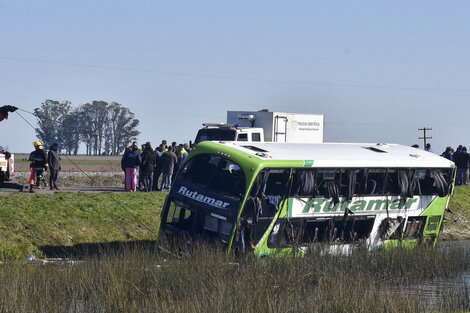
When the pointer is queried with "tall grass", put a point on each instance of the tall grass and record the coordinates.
(140, 279)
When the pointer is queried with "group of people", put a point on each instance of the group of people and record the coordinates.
(143, 167)
(41, 161)
(461, 158)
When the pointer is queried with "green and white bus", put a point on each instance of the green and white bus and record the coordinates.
(282, 199)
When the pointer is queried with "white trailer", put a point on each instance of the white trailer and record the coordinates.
(281, 126)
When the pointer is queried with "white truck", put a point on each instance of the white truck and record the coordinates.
(7, 171)
(259, 126)
(7, 166)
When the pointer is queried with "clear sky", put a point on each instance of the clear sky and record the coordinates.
(377, 70)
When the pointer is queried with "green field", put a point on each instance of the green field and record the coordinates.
(76, 163)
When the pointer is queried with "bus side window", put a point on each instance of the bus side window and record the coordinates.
(329, 185)
(392, 187)
(304, 183)
(349, 185)
(375, 182)
(435, 181)
(276, 183)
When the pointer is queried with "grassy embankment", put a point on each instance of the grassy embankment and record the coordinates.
(457, 222)
(31, 223)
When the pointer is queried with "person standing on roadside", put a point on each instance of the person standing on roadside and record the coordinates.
(132, 163)
(140, 185)
(447, 154)
(38, 166)
(53, 160)
(158, 166)
(181, 154)
(168, 160)
(461, 159)
(147, 166)
(123, 162)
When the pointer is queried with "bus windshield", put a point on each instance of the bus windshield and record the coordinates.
(205, 197)
(215, 134)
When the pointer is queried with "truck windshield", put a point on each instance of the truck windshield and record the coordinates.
(205, 198)
(216, 134)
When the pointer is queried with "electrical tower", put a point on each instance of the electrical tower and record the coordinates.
(424, 129)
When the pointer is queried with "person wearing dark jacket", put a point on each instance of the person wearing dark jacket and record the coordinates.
(447, 154)
(461, 159)
(38, 166)
(158, 166)
(131, 164)
(53, 160)
(168, 160)
(123, 163)
(147, 166)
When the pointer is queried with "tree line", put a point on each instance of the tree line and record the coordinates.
(104, 128)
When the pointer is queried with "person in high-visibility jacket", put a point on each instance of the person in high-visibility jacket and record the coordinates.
(181, 154)
(38, 166)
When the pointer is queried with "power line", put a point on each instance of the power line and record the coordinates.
(230, 77)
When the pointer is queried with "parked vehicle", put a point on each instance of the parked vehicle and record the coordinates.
(265, 126)
(7, 166)
(229, 132)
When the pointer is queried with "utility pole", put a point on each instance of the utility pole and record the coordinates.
(424, 129)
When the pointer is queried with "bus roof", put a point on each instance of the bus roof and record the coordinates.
(343, 154)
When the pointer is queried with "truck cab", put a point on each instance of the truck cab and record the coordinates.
(229, 132)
